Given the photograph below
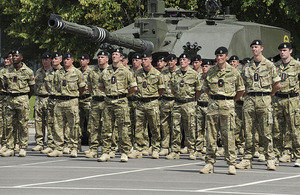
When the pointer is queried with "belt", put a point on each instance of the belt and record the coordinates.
(203, 104)
(240, 102)
(65, 97)
(16, 94)
(150, 99)
(168, 98)
(98, 98)
(221, 97)
(132, 98)
(52, 97)
(116, 96)
(84, 96)
(259, 93)
(287, 95)
(185, 100)
(43, 96)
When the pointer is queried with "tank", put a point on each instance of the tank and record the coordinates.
(172, 30)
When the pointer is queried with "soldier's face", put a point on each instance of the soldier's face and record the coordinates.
(205, 68)
(68, 62)
(102, 60)
(84, 62)
(7, 62)
(116, 57)
(125, 62)
(257, 49)
(172, 63)
(146, 62)
(17, 58)
(184, 62)
(56, 61)
(161, 64)
(221, 58)
(234, 63)
(136, 63)
(197, 64)
(285, 53)
(46, 62)
(10, 57)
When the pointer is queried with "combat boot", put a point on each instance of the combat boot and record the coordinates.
(87, 151)
(276, 162)
(155, 155)
(37, 148)
(231, 170)
(74, 153)
(91, 154)
(184, 150)
(271, 165)
(112, 154)
(220, 152)
(285, 158)
(145, 152)
(3, 149)
(66, 151)
(8, 152)
(192, 156)
(297, 163)
(46, 151)
(244, 164)
(17, 147)
(173, 155)
(55, 153)
(261, 158)
(104, 158)
(164, 152)
(256, 154)
(124, 157)
(135, 154)
(208, 168)
(22, 153)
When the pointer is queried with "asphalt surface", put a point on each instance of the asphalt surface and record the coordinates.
(38, 174)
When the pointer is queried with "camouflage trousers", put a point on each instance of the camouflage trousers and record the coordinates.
(95, 125)
(166, 110)
(184, 115)
(41, 120)
(239, 131)
(17, 117)
(201, 112)
(3, 104)
(50, 122)
(116, 111)
(147, 114)
(66, 116)
(84, 113)
(286, 132)
(257, 112)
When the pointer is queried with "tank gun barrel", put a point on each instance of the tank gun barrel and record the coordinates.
(97, 34)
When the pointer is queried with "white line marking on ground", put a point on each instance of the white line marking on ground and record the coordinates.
(248, 184)
(103, 175)
(28, 164)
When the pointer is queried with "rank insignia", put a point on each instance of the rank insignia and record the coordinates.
(181, 83)
(256, 76)
(220, 82)
(283, 76)
(144, 84)
(113, 80)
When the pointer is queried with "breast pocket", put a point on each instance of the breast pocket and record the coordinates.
(153, 87)
(22, 82)
(292, 78)
(73, 84)
(265, 80)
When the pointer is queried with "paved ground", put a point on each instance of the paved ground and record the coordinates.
(38, 174)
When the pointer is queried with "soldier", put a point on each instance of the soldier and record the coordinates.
(201, 111)
(69, 83)
(116, 82)
(125, 60)
(19, 85)
(150, 88)
(167, 104)
(261, 82)
(286, 107)
(161, 63)
(97, 104)
(186, 87)
(41, 102)
(3, 104)
(84, 100)
(56, 65)
(225, 86)
(239, 132)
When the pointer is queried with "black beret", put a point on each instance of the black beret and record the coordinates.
(171, 57)
(163, 58)
(256, 42)
(297, 57)
(46, 55)
(234, 57)
(206, 62)
(102, 53)
(17, 52)
(137, 56)
(271, 59)
(11, 52)
(146, 55)
(84, 56)
(68, 55)
(245, 60)
(285, 45)
(221, 50)
(125, 56)
(119, 50)
(5, 56)
(56, 54)
(184, 56)
(196, 58)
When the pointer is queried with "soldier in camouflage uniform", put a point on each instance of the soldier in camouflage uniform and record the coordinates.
(41, 102)
(201, 111)
(161, 63)
(167, 104)
(186, 87)
(19, 85)
(286, 107)
(150, 87)
(261, 82)
(225, 86)
(97, 104)
(116, 82)
(84, 100)
(69, 83)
